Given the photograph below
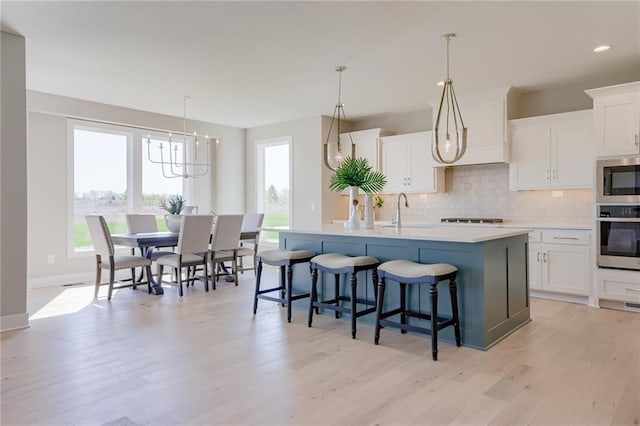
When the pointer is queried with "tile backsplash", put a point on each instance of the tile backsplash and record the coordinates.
(483, 191)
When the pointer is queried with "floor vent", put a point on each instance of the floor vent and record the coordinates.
(69, 285)
(632, 305)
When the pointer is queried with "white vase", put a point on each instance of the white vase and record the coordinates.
(368, 211)
(353, 221)
(173, 222)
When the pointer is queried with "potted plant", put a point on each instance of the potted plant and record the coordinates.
(355, 174)
(173, 206)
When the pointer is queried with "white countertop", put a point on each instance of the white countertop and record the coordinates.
(457, 234)
(505, 224)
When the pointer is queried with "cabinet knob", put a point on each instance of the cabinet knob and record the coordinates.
(547, 174)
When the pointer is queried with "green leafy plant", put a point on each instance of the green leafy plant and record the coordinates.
(173, 205)
(378, 202)
(357, 172)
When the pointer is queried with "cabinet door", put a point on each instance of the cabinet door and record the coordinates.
(529, 168)
(616, 124)
(394, 164)
(422, 175)
(565, 268)
(572, 161)
(535, 266)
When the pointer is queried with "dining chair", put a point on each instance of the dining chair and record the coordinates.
(224, 245)
(250, 230)
(143, 223)
(106, 258)
(193, 245)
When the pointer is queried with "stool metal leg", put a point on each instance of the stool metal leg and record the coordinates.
(374, 280)
(314, 293)
(336, 280)
(433, 295)
(282, 284)
(354, 283)
(255, 297)
(289, 291)
(403, 306)
(454, 309)
(379, 302)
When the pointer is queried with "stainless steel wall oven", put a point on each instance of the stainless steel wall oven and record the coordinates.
(618, 229)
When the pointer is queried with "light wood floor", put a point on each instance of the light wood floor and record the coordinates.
(205, 359)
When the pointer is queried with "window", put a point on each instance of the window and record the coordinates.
(274, 184)
(112, 176)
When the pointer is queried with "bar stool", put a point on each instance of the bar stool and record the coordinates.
(407, 272)
(335, 263)
(283, 259)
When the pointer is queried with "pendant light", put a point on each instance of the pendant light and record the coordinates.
(334, 153)
(450, 135)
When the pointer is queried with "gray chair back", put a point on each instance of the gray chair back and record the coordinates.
(195, 232)
(226, 233)
(100, 235)
(139, 223)
(252, 221)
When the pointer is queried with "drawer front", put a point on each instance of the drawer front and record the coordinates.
(535, 236)
(615, 289)
(559, 236)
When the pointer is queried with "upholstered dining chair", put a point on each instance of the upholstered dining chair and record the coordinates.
(251, 224)
(192, 249)
(224, 245)
(106, 258)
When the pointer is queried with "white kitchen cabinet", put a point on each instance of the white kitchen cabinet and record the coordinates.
(552, 151)
(560, 261)
(367, 145)
(485, 116)
(408, 165)
(619, 285)
(616, 119)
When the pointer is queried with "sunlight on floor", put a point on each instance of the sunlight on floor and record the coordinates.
(68, 300)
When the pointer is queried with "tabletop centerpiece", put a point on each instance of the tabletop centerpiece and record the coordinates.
(356, 174)
(173, 206)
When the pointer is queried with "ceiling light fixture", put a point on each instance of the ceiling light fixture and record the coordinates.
(182, 161)
(333, 154)
(602, 48)
(448, 122)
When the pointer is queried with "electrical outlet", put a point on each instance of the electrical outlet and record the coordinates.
(51, 259)
(313, 206)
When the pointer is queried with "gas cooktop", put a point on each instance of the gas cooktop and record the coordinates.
(470, 220)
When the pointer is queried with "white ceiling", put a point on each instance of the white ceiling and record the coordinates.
(247, 64)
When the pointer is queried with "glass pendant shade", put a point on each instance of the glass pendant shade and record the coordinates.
(334, 151)
(449, 133)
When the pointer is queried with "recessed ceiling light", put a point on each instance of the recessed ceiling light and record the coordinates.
(602, 48)
(440, 83)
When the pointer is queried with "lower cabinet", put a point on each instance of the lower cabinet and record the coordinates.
(619, 285)
(560, 261)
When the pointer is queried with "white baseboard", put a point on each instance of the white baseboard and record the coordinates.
(14, 322)
(55, 280)
(583, 300)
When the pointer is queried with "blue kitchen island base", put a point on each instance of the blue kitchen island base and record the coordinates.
(493, 294)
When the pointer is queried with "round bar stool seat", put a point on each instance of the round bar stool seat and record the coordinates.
(337, 264)
(285, 259)
(407, 272)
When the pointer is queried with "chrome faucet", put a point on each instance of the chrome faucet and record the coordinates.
(406, 204)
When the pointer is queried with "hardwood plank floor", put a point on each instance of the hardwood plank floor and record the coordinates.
(205, 359)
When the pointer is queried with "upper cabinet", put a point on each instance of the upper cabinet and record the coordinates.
(408, 164)
(616, 112)
(485, 115)
(552, 151)
(367, 144)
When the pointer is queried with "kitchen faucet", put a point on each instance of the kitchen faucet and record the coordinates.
(406, 204)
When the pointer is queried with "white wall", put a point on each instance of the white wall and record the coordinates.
(309, 176)
(13, 184)
(222, 191)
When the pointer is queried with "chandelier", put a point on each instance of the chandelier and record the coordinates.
(182, 157)
(449, 122)
(333, 154)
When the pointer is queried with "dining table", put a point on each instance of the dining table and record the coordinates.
(147, 242)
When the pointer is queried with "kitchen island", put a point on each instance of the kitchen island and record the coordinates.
(493, 293)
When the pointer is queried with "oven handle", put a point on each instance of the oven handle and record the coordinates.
(618, 219)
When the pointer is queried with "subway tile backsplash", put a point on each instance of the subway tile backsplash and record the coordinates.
(483, 191)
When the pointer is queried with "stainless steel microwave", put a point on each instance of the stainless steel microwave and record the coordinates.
(618, 180)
